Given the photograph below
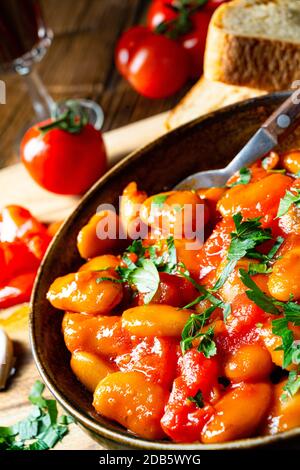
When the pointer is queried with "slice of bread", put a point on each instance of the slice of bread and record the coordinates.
(255, 43)
(205, 97)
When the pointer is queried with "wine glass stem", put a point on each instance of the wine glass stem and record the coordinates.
(42, 102)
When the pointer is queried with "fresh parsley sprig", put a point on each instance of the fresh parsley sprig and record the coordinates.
(42, 428)
(247, 236)
(144, 273)
(193, 331)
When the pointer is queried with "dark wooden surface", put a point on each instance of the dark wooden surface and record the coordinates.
(80, 63)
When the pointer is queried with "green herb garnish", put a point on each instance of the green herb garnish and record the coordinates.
(247, 236)
(42, 428)
(289, 311)
(244, 177)
(159, 200)
(144, 274)
(146, 279)
(287, 201)
(292, 386)
(197, 399)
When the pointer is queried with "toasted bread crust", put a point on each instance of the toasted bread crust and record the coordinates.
(267, 64)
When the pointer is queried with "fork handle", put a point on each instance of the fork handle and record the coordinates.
(285, 118)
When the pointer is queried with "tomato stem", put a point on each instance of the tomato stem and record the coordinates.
(72, 120)
(182, 24)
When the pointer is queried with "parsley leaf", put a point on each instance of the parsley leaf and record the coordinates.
(146, 279)
(280, 328)
(292, 386)
(159, 200)
(247, 236)
(290, 312)
(244, 177)
(197, 399)
(207, 345)
(263, 267)
(193, 330)
(287, 201)
(42, 428)
(260, 268)
(255, 294)
(144, 274)
(279, 241)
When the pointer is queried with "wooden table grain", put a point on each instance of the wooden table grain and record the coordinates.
(80, 63)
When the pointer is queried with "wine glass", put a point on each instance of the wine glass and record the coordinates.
(24, 40)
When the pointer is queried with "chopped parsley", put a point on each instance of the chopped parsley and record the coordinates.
(258, 268)
(193, 330)
(42, 428)
(263, 267)
(244, 177)
(292, 386)
(247, 236)
(146, 279)
(144, 273)
(289, 311)
(197, 399)
(287, 201)
(159, 200)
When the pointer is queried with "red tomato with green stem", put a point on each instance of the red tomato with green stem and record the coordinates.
(153, 64)
(159, 12)
(194, 42)
(185, 22)
(64, 155)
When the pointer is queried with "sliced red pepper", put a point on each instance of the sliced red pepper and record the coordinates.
(16, 259)
(18, 223)
(17, 291)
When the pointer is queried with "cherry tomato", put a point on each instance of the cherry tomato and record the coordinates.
(61, 161)
(193, 41)
(159, 12)
(154, 65)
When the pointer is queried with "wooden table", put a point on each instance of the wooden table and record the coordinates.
(80, 63)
